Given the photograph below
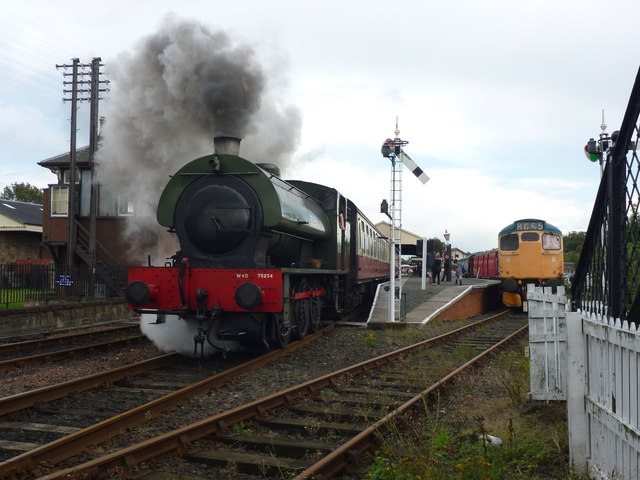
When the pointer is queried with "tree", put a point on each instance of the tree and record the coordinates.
(438, 245)
(573, 246)
(574, 240)
(23, 192)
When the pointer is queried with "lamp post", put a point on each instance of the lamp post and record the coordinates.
(447, 264)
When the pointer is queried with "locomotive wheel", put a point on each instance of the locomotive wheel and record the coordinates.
(302, 312)
(280, 331)
(315, 311)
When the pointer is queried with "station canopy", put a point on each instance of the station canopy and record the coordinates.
(409, 239)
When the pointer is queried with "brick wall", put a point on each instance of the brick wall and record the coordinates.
(475, 302)
(19, 246)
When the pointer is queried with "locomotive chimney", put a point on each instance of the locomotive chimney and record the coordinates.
(226, 145)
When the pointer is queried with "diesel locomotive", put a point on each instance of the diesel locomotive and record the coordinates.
(530, 251)
(261, 260)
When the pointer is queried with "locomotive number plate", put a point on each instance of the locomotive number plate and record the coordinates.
(522, 226)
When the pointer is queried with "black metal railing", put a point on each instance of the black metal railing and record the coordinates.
(607, 278)
(25, 284)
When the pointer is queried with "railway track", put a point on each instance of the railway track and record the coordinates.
(43, 341)
(138, 393)
(32, 352)
(317, 429)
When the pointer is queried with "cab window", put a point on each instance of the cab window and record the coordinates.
(551, 242)
(509, 242)
(530, 237)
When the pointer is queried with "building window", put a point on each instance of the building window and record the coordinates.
(125, 207)
(108, 206)
(59, 200)
(66, 176)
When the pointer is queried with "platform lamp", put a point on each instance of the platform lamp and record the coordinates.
(447, 273)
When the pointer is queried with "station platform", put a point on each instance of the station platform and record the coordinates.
(446, 301)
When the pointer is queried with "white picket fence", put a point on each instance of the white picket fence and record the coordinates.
(547, 343)
(594, 364)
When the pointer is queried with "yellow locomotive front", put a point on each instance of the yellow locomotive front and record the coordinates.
(530, 251)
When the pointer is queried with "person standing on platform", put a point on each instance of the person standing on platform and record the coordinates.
(459, 273)
(435, 269)
(447, 269)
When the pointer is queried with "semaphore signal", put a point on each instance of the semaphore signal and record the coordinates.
(393, 150)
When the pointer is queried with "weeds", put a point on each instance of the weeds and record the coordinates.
(46, 433)
(447, 454)
(457, 440)
(516, 378)
(328, 394)
(330, 437)
(464, 352)
(370, 340)
(241, 429)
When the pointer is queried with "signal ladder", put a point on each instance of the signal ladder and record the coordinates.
(395, 210)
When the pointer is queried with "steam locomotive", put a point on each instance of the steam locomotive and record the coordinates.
(261, 260)
(530, 251)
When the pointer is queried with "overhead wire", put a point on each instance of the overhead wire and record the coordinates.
(54, 42)
(31, 52)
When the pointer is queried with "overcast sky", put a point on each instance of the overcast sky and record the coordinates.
(496, 98)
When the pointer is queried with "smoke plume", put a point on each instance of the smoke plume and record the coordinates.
(169, 96)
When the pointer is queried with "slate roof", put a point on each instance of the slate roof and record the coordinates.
(82, 159)
(25, 213)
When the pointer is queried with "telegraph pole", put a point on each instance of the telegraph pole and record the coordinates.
(77, 94)
(71, 240)
(93, 145)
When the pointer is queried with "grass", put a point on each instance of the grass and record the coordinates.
(444, 441)
(11, 298)
(11, 305)
(16, 297)
(13, 293)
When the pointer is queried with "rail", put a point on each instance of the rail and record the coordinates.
(63, 448)
(66, 353)
(182, 439)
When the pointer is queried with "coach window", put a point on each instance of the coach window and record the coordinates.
(550, 241)
(509, 242)
(372, 240)
(364, 238)
(530, 237)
